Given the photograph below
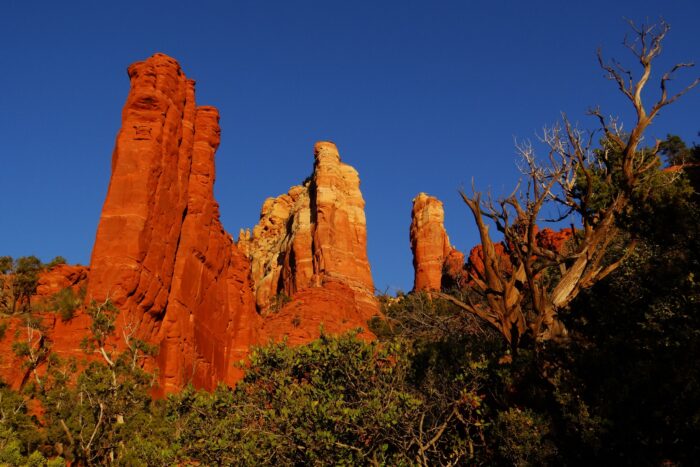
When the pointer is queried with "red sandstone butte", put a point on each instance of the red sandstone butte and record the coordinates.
(436, 263)
(161, 254)
(309, 254)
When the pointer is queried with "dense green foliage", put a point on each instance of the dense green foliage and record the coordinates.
(18, 281)
(639, 337)
(335, 401)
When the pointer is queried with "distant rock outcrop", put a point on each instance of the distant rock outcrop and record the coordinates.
(554, 240)
(436, 263)
(546, 238)
(309, 254)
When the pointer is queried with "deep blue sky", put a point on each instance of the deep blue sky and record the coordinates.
(418, 95)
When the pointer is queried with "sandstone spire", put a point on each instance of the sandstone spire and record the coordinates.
(310, 247)
(436, 263)
(161, 254)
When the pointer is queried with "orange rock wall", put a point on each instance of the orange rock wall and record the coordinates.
(161, 254)
(64, 337)
(61, 277)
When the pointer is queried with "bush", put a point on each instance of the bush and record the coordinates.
(520, 437)
(55, 262)
(18, 282)
(334, 401)
(65, 302)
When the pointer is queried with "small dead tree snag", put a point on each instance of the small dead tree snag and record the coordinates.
(538, 282)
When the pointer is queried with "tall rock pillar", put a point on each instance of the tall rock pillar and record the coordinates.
(161, 254)
(436, 263)
(309, 249)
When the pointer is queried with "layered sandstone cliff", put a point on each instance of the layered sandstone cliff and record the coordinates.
(309, 254)
(161, 254)
(436, 263)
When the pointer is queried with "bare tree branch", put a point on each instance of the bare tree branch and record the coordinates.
(521, 272)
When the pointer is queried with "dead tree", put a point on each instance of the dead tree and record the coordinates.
(529, 291)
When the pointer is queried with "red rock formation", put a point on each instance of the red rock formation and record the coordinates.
(163, 258)
(438, 265)
(454, 273)
(554, 240)
(475, 263)
(311, 246)
(161, 254)
(64, 336)
(545, 238)
(435, 262)
(60, 277)
(335, 308)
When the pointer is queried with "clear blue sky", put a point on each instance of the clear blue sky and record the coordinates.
(418, 95)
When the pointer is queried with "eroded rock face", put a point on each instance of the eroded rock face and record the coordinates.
(161, 254)
(163, 258)
(436, 263)
(309, 254)
(546, 238)
(64, 336)
(554, 240)
(475, 263)
(61, 277)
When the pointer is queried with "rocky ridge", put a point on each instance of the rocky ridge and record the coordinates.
(440, 266)
(181, 283)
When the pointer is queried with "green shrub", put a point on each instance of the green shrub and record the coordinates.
(65, 302)
(278, 302)
(333, 401)
(18, 282)
(55, 262)
(520, 437)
